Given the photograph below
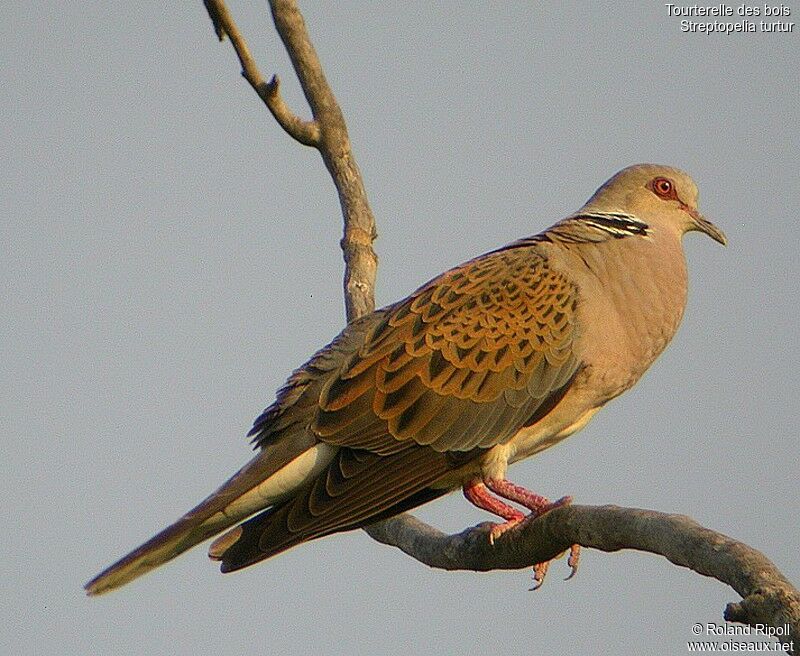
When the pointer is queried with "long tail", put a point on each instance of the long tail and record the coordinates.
(269, 477)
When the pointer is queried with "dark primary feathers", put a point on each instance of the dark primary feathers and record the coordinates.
(358, 487)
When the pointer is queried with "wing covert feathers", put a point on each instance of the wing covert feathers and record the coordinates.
(492, 338)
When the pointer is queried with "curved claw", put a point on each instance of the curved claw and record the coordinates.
(498, 529)
(539, 572)
(574, 560)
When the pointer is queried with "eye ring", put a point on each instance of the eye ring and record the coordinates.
(663, 187)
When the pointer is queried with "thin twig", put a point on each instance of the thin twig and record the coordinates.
(361, 262)
(327, 132)
(306, 132)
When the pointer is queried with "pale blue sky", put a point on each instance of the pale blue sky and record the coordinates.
(169, 255)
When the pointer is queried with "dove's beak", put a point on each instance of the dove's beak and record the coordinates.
(704, 225)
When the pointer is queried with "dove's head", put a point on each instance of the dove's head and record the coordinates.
(661, 196)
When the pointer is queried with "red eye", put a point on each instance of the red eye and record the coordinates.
(663, 187)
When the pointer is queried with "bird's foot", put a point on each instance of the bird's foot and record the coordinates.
(536, 503)
(478, 495)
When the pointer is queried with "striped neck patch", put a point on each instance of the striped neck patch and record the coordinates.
(615, 224)
(586, 227)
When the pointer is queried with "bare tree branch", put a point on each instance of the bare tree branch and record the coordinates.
(306, 132)
(327, 132)
(768, 598)
(359, 224)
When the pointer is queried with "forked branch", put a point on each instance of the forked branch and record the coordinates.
(768, 598)
(327, 133)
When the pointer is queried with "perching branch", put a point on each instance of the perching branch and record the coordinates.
(768, 598)
(327, 133)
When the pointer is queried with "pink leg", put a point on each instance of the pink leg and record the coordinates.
(478, 494)
(536, 503)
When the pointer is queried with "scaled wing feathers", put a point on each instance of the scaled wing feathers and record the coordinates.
(462, 363)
